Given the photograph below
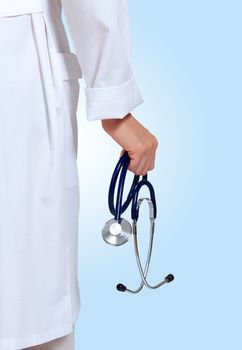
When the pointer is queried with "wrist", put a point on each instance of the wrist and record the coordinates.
(113, 123)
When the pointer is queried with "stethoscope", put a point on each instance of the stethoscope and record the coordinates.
(118, 231)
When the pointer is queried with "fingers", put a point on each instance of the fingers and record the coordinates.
(142, 160)
(141, 166)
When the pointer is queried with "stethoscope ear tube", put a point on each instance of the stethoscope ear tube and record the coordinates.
(135, 207)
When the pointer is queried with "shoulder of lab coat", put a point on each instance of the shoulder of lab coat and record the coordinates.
(100, 33)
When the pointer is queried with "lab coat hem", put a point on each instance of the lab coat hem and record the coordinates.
(37, 339)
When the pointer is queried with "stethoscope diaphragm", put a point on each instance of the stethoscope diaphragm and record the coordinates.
(117, 233)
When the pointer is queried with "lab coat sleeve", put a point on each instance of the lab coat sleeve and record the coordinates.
(100, 34)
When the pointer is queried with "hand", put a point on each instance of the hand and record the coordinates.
(134, 138)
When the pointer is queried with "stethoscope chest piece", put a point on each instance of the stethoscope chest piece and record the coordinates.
(117, 232)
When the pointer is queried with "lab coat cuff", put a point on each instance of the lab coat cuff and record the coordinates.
(112, 102)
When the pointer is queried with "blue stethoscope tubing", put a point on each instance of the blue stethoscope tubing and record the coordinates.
(124, 228)
(123, 164)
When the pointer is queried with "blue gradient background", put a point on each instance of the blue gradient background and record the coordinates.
(187, 61)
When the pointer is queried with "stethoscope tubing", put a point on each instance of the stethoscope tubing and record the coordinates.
(117, 211)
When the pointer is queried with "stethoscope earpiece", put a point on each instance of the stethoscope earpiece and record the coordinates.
(169, 278)
(122, 288)
(118, 231)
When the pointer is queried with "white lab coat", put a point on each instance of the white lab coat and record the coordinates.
(39, 188)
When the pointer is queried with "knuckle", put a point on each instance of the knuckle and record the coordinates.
(155, 142)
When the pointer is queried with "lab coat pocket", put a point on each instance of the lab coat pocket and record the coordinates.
(70, 73)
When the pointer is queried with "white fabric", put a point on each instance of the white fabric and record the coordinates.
(18, 7)
(101, 36)
(39, 192)
(63, 343)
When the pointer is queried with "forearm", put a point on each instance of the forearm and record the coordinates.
(114, 123)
